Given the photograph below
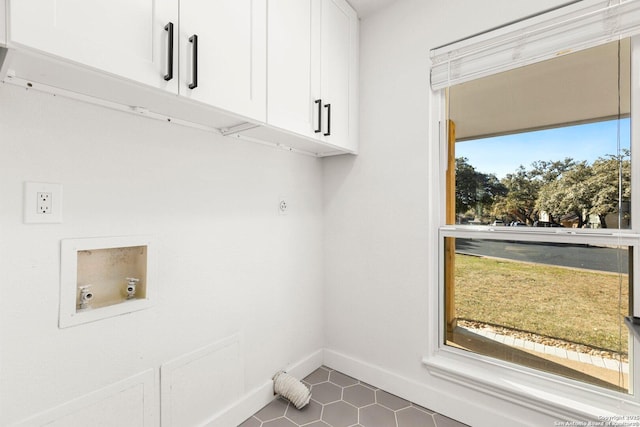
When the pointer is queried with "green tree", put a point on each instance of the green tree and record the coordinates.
(475, 190)
(524, 187)
(466, 185)
(520, 200)
(566, 187)
(568, 193)
(610, 182)
(550, 171)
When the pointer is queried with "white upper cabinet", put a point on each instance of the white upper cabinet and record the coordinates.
(223, 54)
(338, 71)
(293, 65)
(278, 71)
(122, 37)
(313, 69)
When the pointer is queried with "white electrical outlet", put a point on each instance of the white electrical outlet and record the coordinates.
(42, 203)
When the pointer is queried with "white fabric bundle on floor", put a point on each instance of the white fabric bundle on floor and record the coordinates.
(291, 389)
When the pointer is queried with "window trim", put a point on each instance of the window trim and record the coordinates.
(538, 390)
(564, 30)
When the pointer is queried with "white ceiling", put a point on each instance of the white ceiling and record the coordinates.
(367, 7)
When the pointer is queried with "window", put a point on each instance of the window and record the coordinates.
(536, 231)
(558, 161)
(563, 302)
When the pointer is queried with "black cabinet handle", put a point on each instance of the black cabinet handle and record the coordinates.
(319, 128)
(169, 29)
(328, 107)
(194, 62)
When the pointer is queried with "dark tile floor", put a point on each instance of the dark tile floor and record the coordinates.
(341, 401)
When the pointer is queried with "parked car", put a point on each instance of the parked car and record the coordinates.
(497, 222)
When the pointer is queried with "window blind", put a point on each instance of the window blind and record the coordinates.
(580, 26)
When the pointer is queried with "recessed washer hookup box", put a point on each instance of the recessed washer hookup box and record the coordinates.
(105, 277)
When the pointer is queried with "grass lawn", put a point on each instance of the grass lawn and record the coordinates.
(580, 306)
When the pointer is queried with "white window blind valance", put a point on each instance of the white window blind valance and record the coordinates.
(566, 30)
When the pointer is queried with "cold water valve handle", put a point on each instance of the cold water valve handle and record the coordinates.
(131, 287)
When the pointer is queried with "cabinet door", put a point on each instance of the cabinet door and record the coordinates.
(3, 23)
(123, 37)
(230, 65)
(293, 65)
(339, 59)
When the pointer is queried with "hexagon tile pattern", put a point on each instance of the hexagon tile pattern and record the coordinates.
(338, 400)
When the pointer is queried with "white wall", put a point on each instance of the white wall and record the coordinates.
(228, 263)
(376, 279)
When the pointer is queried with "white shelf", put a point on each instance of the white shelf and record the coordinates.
(37, 71)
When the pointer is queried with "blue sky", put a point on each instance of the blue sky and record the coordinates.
(503, 154)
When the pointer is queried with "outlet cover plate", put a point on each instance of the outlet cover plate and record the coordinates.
(284, 205)
(33, 212)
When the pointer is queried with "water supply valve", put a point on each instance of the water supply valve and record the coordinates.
(131, 287)
(86, 296)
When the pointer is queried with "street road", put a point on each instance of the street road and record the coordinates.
(577, 256)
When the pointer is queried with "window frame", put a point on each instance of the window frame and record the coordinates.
(542, 391)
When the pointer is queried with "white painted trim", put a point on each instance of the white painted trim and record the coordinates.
(305, 366)
(531, 234)
(251, 403)
(459, 406)
(260, 396)
(437, 157)
(531, 390)
(570, 29)
(147, 379)
(3, 22)
(635, 129)
(634, 360)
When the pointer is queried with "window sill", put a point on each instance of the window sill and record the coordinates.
(543, 393)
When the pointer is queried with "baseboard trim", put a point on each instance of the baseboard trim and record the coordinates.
(260, 396)
(435, 399)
